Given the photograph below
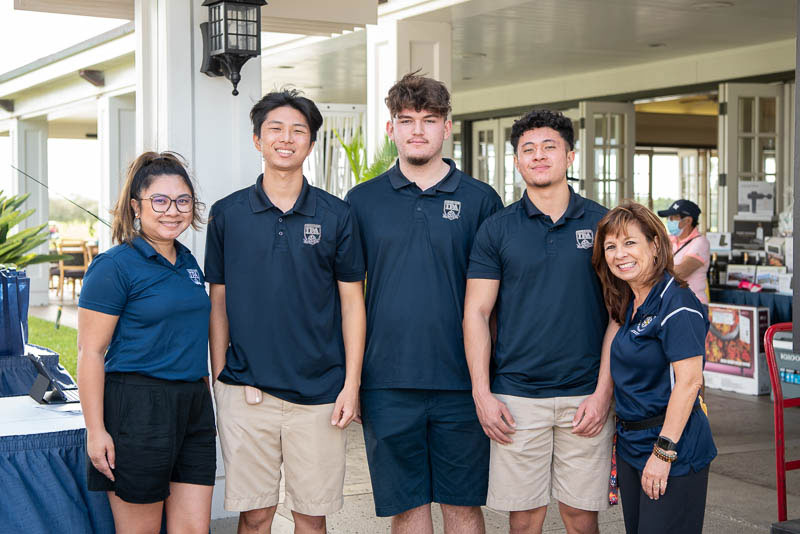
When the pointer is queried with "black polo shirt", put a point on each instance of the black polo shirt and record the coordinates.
(280, 272)
(551, 318)
(416, 245)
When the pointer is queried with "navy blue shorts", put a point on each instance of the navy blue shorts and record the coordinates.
(424, 446)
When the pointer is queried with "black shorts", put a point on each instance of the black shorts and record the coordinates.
(163, 432)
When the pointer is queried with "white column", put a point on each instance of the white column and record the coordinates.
(179, 108)
(116, 131)
(395, 48)
(29, 154)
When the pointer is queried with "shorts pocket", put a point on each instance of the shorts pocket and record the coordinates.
(146, 417)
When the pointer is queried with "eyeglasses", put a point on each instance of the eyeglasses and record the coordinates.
(162, 203)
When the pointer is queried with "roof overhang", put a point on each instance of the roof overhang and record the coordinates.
(309, 17)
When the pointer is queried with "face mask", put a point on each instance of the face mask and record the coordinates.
(673, 227)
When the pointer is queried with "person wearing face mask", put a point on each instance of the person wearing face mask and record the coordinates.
(690, 248)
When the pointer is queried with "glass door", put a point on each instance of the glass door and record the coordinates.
(608, 146)
(493, 158)
(485, 161)
(513, 185)
(750, 141)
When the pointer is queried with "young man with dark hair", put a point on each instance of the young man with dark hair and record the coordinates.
(545, 405)
(417, 222)
(287, 327)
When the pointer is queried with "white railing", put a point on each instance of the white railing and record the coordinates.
(328, 167)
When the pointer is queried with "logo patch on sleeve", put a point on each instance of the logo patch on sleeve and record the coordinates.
(312, 234)
(452, 210)
(584, 238)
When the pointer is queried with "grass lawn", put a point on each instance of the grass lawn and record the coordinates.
(64, 341)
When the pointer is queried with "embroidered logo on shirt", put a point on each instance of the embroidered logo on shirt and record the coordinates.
(452, 210)
(312, 234)
(585, 238)
(644, 324)
(194, 274)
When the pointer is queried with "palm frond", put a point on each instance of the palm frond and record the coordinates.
(16, 248)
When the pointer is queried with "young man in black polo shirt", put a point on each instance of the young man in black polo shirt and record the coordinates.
(546, 403)
(417, 222)
(287, 328)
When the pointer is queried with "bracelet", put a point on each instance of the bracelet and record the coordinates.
(664, 456)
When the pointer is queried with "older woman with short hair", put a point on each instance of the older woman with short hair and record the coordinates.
(664, 444)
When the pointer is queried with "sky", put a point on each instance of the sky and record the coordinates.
(31, 35)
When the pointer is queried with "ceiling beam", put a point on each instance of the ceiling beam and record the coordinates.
(94, 77)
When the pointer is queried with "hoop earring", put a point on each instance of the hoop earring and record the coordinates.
(137, 224)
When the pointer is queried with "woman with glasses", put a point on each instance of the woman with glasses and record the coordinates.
(142, 358)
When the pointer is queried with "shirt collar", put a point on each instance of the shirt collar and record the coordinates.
(147, 250)
(695, 233)
(653, 301)
(574, 208)
(306, 203)
(448, 184)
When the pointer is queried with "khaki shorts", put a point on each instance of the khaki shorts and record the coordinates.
(547, 460)
(257, 438)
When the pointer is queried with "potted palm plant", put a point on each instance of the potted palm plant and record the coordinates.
(17, 249)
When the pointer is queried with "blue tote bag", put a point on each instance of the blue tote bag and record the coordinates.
(12, 342)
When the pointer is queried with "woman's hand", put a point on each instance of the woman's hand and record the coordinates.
(100, 448)
(654, 477)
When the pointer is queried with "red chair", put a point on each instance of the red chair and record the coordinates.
(781, 465)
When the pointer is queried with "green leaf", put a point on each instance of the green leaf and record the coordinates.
(356, 153)
(18, 248)
(384, 159)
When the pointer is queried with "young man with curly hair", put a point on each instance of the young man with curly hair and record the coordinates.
(545, 404)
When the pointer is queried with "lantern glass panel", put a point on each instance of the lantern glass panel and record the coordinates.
(251, 13)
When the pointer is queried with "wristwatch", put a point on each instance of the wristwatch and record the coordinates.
(666, 444)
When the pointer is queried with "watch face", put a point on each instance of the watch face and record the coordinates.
(666, 444)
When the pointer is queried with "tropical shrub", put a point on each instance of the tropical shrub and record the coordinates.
(16, 249)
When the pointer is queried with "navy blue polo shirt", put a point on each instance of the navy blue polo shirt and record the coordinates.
(551, 318)
(669, 326)
(280, 272)
(416, 245)
(163, 310)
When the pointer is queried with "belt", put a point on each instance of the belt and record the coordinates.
(644, 424)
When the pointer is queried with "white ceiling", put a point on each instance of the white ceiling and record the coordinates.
(311, 17)
(327, 70)
(497, 42)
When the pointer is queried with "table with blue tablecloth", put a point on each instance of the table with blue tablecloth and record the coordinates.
(17, 373)
(43, 471)
(779, 305)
